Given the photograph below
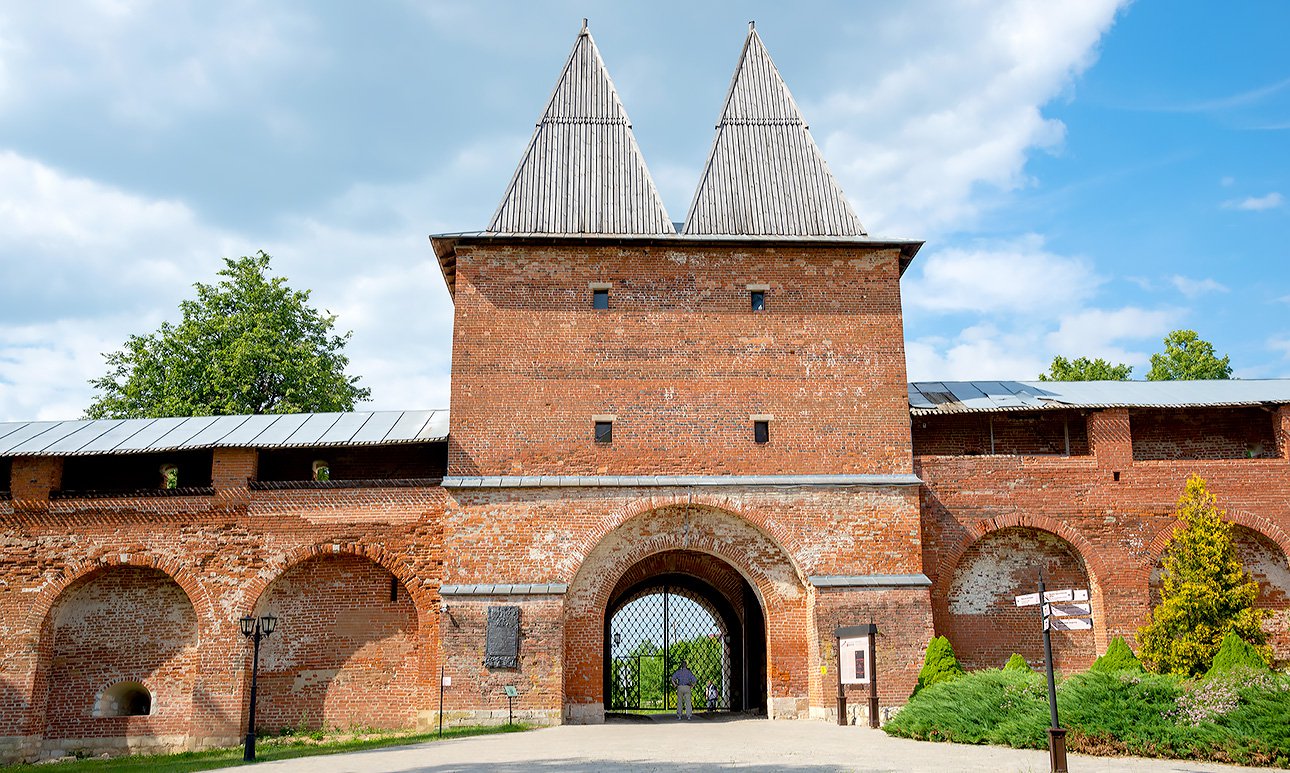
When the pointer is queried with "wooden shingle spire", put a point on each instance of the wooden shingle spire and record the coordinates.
(582, 172)
(765, 176)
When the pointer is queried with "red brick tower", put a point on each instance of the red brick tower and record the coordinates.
(726, 404)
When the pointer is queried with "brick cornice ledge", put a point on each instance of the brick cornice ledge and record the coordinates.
(632, 481)
(506, 589)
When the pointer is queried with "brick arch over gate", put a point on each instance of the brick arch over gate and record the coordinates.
(424, 599)
(1251, 521)
(681, 524)
(1094, 566)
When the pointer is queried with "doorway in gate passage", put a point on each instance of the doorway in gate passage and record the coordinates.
(691, 606)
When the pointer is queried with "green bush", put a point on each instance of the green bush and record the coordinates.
(1016, 663)
(1236, 653)
(1118, 657)
(1236, 717)
(940, 664)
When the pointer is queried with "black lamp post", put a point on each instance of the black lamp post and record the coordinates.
(255, 629)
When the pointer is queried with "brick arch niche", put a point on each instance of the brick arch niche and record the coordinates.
(722, 592)
(716, 548)
(1266, 562)
(983, 621)
(120, 623)
(347, 651)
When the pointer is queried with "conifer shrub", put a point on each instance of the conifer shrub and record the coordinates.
(1205, 592)
(1236, 654)
(940, 664)
(1118, 657)
(1016, 663)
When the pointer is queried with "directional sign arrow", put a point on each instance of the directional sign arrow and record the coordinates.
(1028, 600)
(1069, 623)
(1071, 609)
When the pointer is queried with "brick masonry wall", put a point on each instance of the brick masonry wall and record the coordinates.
(222, 551)
(679, 358)
(1215, 433)
(344, 654)
(1114, 513)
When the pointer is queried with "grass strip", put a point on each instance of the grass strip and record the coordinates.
(267, 749)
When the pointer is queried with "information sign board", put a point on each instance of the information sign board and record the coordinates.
(854, 657)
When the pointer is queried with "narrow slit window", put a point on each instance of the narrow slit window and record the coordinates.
(394, 588)
(604, 432)
(761, 431)
(600, 298)
(758, 300)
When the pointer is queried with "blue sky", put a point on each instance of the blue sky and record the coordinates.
(1088, 176)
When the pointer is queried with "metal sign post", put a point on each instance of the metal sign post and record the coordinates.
(1056, 735)
(511, 694)
(1061, 610)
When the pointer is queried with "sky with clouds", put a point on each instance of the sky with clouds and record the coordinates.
(1088, 175)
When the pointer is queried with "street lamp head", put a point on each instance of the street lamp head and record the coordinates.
(268, 623)
(248, 626)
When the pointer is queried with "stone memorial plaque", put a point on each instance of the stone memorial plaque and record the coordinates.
(502, 645)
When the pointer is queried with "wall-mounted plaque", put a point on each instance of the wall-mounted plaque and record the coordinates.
(502, 644)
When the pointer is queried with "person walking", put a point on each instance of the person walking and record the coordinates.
(683, 680)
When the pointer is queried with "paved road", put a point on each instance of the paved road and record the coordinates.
(745, 745)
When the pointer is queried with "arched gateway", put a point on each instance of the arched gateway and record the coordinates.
(688, 582)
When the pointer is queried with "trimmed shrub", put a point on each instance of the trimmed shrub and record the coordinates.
(1234, 654)
(1016, 663)
(940, 664)
(1118, 657)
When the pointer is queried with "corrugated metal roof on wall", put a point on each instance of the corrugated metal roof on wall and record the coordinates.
(582, 171)
(299, 430)
(765, 175)
(930, 397)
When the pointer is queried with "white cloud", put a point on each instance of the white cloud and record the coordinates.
(1256, 203)
(150, 62)
(1018, 276)
(925, 136)
(1193, 288)
(1097, 332)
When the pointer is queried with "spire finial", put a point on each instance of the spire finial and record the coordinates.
(584, 24)
(752, 25)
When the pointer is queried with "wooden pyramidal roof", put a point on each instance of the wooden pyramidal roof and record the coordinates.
(765, 175)
(582, 172)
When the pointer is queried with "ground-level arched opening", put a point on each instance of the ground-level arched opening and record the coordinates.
(727, 563)
(985, 624)
(346, 650)
(122, 663)
(677, 606)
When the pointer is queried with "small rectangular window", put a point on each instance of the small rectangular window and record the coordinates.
(761, 431)
(758, 300)
(604, 432)
(600, 299)
(394, 588)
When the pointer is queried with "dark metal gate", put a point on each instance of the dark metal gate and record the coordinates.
(649, 637)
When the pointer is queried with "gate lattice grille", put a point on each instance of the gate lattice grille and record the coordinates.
(651, 635)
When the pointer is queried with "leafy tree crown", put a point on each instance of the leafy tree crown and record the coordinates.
(1205, 592)
(1084, 369)
(1188, 356)
(247, 344)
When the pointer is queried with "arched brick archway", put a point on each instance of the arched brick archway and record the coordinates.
(759, 560)
(353, 645)
(111, 622)
(976, 585)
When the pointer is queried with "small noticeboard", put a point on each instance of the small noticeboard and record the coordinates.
(511, 692)
(854, 657)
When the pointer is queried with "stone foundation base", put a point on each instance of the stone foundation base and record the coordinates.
(584, 713)
(428, 721)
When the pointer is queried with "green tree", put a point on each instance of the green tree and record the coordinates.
(247, 344)
(1188, 356)
(940, 664)
(1118, 657)
(1016, 663)
(1205, 592)
(1084, 369)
